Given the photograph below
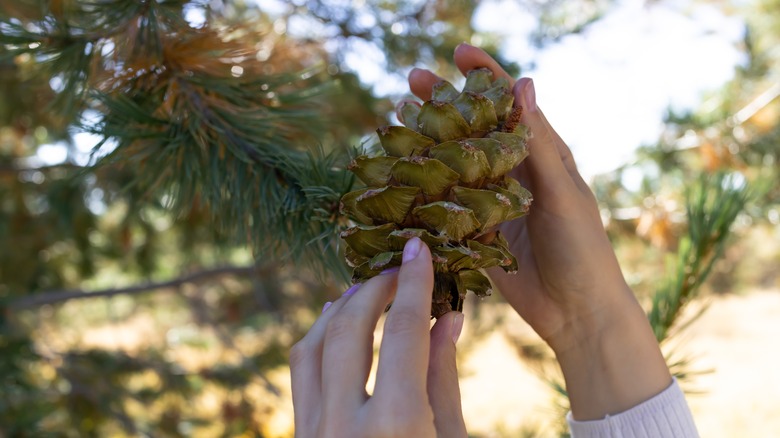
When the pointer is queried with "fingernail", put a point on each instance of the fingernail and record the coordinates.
(411, 249)
(352, 289)
(529, 96)
(390, 270)
(325, 307)
(457, 327)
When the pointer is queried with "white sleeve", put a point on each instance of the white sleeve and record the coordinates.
(664, 415)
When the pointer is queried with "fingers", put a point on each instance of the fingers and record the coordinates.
(348, 346)
(421, 83)
(468, 57)
(547, 169)
(306, 373)
(547, 173)
(403, 355)
(550, 161)
(443, 388)
(566, 156)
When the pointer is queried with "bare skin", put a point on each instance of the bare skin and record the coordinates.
(569, 289)
(416, 392)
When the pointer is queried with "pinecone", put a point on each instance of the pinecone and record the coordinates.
(443, 179)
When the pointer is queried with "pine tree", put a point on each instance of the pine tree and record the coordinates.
(217, 131)
(220, 129)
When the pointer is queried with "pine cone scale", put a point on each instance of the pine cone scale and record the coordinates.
(444, 179)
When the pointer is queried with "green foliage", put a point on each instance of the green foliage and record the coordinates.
(215, 184)
(696, 196)
(24, 402)
(217, 142)
(712, 206)
(559, 18)
(406, 31)
(187, 112)
(236, 158)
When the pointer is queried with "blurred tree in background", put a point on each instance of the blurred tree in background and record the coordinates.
(713, 172)
(734, 132)
(169, 179)
(172, 157)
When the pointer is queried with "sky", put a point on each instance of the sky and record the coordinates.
(606, 90)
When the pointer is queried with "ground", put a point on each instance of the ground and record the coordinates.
(735, 340)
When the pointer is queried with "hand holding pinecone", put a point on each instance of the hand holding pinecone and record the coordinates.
(444, 179)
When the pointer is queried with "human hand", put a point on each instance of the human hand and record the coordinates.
(416, 392)
(569, 286)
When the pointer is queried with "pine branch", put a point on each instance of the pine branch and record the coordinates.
(12, 169)
(60, 296)
(712, 207)
(196, 118)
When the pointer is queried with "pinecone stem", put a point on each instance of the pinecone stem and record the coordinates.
(445, 295)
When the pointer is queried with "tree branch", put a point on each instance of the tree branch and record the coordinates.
(10, 168)
(59, 296)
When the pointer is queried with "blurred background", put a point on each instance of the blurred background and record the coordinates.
(170, 173)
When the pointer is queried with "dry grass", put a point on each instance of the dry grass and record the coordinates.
(735, 338)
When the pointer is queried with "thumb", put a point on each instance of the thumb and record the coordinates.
(551, 161)
(547, 169)
(443, 388)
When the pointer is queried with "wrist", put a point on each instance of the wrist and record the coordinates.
(611, 363)
(584, 322)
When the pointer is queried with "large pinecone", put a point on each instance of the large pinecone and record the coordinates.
(443, 179)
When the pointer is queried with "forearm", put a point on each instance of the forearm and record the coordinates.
(614, 364)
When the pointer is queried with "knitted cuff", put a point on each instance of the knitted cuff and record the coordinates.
(664, 415)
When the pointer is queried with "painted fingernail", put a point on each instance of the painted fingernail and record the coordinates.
(352, 289)
(411, 249)
(390, 270)
(529, 96)
(325, 307)
(457, 327)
